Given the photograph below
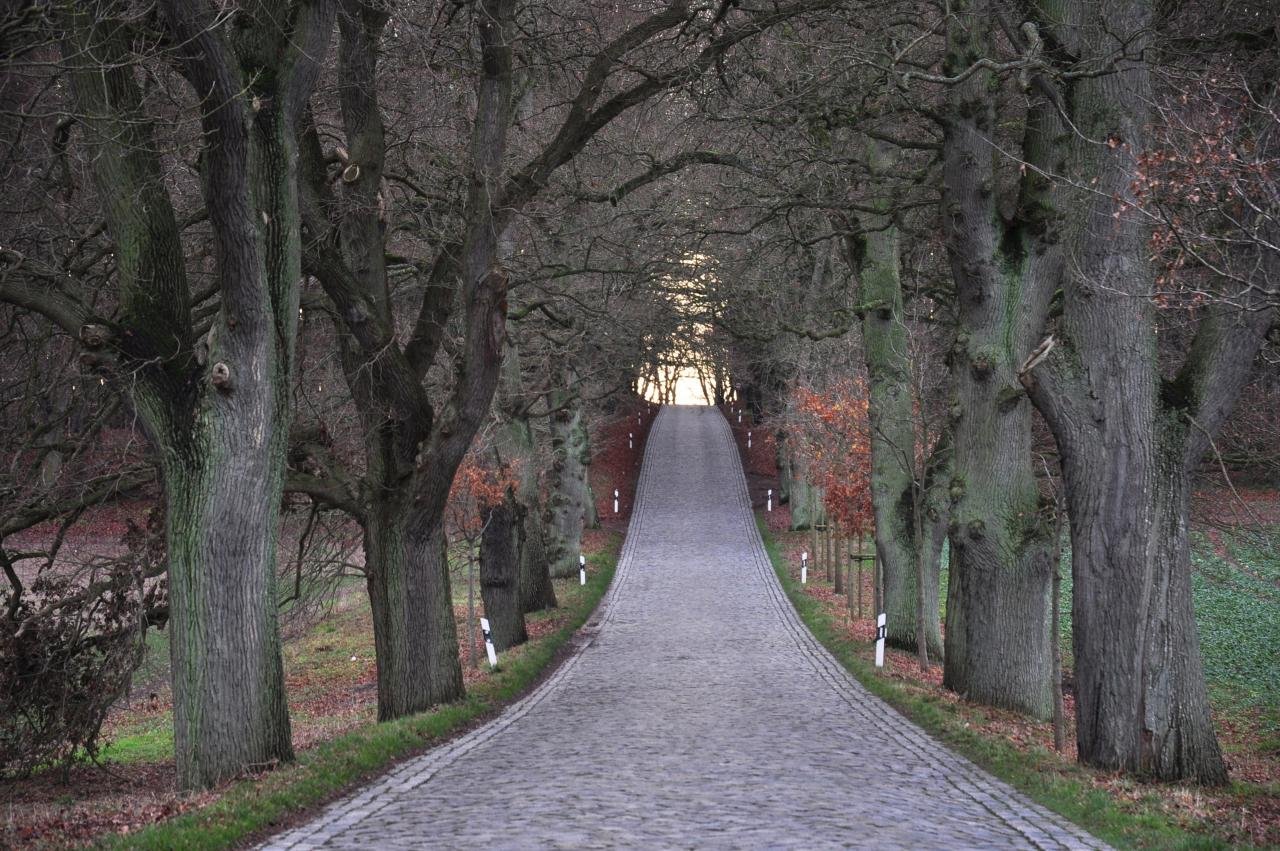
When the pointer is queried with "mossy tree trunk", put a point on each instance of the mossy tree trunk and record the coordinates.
(217, 410)
(903, 482)
(517, 445)
(536, 590)
(1130, 438)
(804, 498)
(228, 652)
(1005, 270)
(570, 503)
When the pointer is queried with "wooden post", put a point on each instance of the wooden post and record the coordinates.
(813, 532)
(848, 579)
(877, 591)
(862, 542)
(838, 565)
(472, 658)
(826, 550)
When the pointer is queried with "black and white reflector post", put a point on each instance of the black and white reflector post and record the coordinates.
(748, 439)
(488, 643)
(615, 500)
(769, 504)
(582, 569)
(882, 632)
(804, 568)
(631, 440)
(739, 416)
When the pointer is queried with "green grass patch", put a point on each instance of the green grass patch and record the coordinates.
(150, 740)
(1041, 775)
(255, 805)
(1238, 616)
(1236, 593)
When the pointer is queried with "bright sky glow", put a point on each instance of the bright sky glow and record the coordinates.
(688, 388)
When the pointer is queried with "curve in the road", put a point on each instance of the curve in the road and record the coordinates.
(699, 712)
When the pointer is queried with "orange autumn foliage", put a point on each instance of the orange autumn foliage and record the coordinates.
(831, 430)
(478, 485)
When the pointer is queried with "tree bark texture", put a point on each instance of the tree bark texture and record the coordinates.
(218, 412)
(1005, 271)
(501, 543)
(411, 607)
(1131, 439)
(412, 450)
(901, 480)
(570, 501)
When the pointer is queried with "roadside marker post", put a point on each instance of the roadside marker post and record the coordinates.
(615, 500)
(769, 504)
(804, 568)
(882, 632)
(582, 569)
(488, 643)
(631, 438)
(748, 439)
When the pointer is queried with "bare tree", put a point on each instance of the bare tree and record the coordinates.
(1130, 437)
(212, 395)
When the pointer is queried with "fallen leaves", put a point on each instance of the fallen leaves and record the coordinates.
(615, 464)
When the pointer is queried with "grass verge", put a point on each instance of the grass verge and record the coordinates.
(253, 806)
(1041, 775)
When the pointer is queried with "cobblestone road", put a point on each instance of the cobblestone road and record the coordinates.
(701, 713)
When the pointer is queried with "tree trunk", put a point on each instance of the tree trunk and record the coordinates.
(430, 590)
(516, 444)
(346, 252)
(1055, 628)
(1131, 439)
(837, 563)
(224, 489)
(412, 454)
(484, 283)
(1141, 703)
(536, 590)
(782, 457)
(998, 640)
(399, 572)
(896, 471)
(806, 499)
(500, 557)
(229, 709)
(570, 502)
(1005, 269)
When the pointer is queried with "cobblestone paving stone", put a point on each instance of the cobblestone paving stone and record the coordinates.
(699, 713)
